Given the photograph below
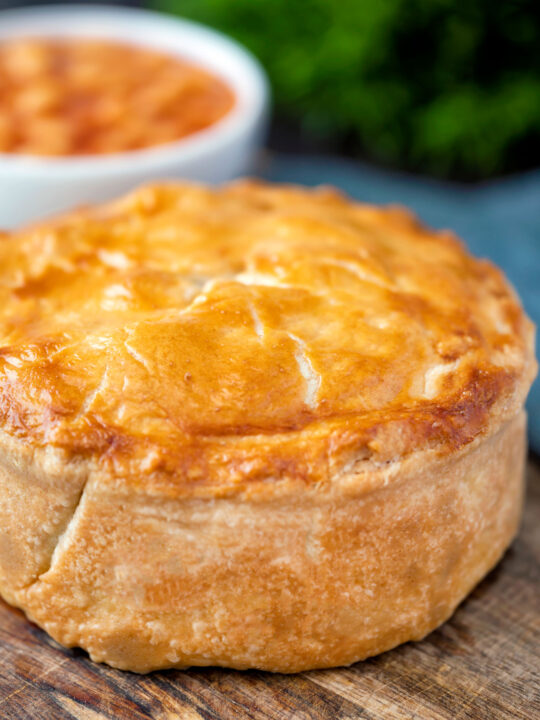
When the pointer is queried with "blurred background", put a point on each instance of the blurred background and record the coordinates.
(437, 87)
(434, 86)
(434, 104)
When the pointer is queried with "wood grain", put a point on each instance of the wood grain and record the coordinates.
(484, 664)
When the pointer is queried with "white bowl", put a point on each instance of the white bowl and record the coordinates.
(32, 187)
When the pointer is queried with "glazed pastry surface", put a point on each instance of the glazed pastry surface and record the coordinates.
(198, 337)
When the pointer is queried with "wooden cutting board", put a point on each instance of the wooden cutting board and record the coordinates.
(483, 664)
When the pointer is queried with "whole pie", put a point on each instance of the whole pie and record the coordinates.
(256, 426)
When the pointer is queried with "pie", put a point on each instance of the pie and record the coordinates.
(257, 426)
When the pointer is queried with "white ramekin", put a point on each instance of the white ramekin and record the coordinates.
(33, 187)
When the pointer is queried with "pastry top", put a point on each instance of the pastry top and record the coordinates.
(187, 337)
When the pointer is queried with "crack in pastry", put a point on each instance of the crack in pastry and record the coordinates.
(257, 324)
(313, 379)
(63, 538)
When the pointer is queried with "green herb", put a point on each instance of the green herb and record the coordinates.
(451, 88)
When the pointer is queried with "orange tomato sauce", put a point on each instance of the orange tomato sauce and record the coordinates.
(63, 97)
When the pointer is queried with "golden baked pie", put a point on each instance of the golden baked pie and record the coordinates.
(256, 426)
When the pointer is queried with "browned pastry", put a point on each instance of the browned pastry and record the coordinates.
(256, 426)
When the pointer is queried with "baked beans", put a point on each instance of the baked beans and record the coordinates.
(84, 97)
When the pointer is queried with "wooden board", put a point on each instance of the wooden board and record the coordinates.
(483, 664)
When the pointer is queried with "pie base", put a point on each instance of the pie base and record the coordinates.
(287, 578)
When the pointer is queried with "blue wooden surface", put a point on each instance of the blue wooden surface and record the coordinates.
(499, 220)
